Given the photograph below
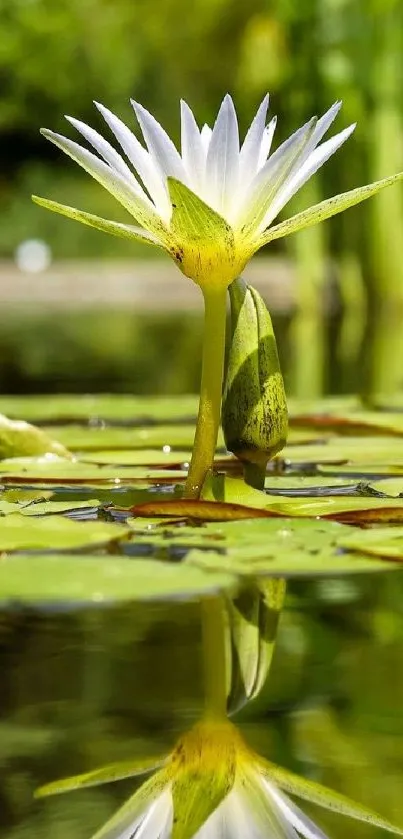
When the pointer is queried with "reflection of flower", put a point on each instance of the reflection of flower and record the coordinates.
(213, 786)
(211, 206)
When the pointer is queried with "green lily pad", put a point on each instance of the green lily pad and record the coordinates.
(97, 580)
(351, 450)
(18, 439)
(105, 437)
(45, 508)
(382, 541)
(138, 457)
(346, 509)
(104, 406)
(258, 547)
(390, 486)
(20, 533)
(53, 470)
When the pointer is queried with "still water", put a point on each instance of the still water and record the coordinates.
(84, 688)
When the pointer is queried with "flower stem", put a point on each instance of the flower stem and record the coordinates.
(208, 419)
(214, 655)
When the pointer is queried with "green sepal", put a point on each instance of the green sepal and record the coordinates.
(324, 797)
(104, 775)
(204, 774)
(254, 409)
(115, 228)
(203, 243)
(324, 210)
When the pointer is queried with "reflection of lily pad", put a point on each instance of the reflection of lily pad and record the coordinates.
(96, 580)
(18, 532)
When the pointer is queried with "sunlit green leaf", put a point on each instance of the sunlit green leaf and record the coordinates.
(20, 439)
(381, 541)
(95, 580)
(19, 532)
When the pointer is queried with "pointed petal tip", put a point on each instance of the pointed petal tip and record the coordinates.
(137, 106)
(100, 107)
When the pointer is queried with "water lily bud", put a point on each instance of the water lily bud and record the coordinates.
(253, 618)
(254, 409)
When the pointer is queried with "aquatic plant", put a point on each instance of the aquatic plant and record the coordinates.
(210, 208)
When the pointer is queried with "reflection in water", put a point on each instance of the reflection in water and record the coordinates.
(82, 689)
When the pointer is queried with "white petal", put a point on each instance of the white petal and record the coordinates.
(131, 197)
(157, 821)
(315, 160)
(103, 147)
(205, 135)
(250, 152)
(294, 815)
(267, 140)
(271, 177)
(160, 146)
(216, 826)
(140, 159)
(324, 124)
(233, 819)
(193, 151)
(149, 806)
(223, 159)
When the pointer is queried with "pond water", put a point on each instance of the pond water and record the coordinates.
(98, 668)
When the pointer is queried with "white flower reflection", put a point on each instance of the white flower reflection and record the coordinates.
(212, 786)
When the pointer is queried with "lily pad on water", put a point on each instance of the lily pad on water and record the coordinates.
(351, 450)
(20, 533)
(54, 470)
(331, 470)
(79, 580)
(390, 486)
(269, 547)
(106, 437)
(345, 509)
(19, 439)
(87, 408)
(382, 541)
(138, 457)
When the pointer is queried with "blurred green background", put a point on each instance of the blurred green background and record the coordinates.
(56, 57)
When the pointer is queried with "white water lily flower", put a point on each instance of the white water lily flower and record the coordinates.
(212, 206)
(213, 787)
